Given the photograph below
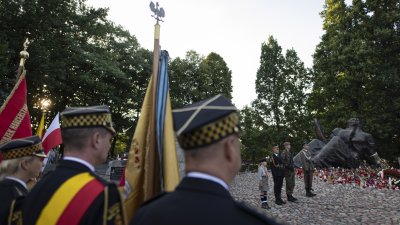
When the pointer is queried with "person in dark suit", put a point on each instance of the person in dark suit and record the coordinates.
(208, 133)
(73, 193)
(22, 162)
(277, 170)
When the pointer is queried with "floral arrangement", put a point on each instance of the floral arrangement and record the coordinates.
(362, 177)
(394, 173)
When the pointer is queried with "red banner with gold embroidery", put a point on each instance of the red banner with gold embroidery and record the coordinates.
(15, 121)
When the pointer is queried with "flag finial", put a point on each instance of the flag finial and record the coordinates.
(24, 54)
(158, 11)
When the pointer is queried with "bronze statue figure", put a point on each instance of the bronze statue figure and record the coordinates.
(345, 148)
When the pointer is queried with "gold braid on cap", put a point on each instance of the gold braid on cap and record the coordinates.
(24, 151)
(210, 133)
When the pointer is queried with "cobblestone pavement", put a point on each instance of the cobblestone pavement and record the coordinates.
(334, 204)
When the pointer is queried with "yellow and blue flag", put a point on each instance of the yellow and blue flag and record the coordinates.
(152, 163)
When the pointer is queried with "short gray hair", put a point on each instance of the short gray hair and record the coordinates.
(76, 138)
(11, 166)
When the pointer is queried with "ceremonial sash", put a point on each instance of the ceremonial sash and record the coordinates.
(71, 200)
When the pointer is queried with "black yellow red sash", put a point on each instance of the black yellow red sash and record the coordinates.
(70, 202)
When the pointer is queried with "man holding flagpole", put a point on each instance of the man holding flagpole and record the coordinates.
(208, 132)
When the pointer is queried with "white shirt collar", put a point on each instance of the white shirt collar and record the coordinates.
(208, 177)
(81, 161)
(17, 180)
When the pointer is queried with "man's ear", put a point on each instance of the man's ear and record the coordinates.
(229, 148)
(95, 140)
(24, 164)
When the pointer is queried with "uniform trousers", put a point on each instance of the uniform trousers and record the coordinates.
(289, 177)
(278, 182)
(308, 177)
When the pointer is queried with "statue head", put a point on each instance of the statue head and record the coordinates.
(353, 122)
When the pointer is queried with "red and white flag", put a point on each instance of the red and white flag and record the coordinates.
(52, 137)
(14, 115)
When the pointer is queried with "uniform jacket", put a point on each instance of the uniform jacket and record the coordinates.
(277, 167)
(49, 184)
(10, 190)
(198, 202)
(287, 158)
(305, 158)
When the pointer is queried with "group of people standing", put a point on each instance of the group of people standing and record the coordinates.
(282, 167)
(207, 131)
(71, 194)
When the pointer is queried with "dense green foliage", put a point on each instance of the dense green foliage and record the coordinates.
(255, 137)
(356, 69)
(195, 78)
(280, 112)
(78, 57)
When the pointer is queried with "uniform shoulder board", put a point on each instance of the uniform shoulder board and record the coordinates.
(242, 206)
(161, 195)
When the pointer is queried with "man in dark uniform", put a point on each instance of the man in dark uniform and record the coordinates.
(22, 163)
(277, 170)
(208, 133)
(308, 169)
(287, 158)
(73, 193)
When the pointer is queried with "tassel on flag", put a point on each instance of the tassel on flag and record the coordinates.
(52, 137)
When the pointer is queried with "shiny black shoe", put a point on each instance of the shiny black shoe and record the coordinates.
(278, 202)
(309, 194)
(290, 198)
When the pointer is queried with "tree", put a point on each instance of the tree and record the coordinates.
(281, 86)
(198, 78)
(254, 136)
(356, 70)
(217, 76)
(270, 83)
(77, 57)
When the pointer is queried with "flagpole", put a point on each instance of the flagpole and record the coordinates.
(153, 185)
